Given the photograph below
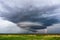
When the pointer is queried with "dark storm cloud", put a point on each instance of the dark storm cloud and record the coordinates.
(41, 11)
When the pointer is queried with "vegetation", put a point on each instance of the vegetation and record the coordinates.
(29, 37)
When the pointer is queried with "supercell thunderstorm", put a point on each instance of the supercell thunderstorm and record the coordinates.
(36, 12)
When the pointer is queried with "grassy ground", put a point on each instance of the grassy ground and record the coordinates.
(29, 37)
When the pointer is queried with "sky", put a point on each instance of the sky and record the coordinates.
(45, 12)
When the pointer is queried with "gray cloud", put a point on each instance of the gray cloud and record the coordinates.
(55, 28)
(40, 11)
(10, 27)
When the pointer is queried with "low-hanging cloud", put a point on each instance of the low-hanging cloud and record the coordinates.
(10, 27)
(54, 28)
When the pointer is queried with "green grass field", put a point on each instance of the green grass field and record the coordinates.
(29, 37)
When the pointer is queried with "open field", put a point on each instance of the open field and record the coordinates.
(29, 37)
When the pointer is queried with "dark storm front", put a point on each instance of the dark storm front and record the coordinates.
(29, 16)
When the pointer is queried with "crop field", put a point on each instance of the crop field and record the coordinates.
(29, 37)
